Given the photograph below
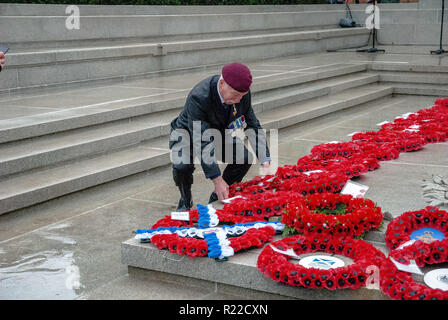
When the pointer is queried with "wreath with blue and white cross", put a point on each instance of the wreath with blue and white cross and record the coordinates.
(210, 239)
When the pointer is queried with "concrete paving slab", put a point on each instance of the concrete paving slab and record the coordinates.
(296, 149)
(427, 158)
(371, 120)
(87, 242)
(396, 185)
(364, 118)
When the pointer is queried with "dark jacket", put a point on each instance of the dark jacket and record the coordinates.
(203, 104)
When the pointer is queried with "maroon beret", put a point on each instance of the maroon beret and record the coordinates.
(237, 76)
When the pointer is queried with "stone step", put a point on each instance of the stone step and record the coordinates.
(103, 109)
(409, 67)
(128, 42)
(415, 77)
(51, 149)
(440, 90)
(29, 188)
(287, 96)
(35, 186)
(292, 114)
(16, 9)
(162, 48)
(28, 70)
(30, 31)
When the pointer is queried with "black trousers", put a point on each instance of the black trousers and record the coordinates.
(238, 163)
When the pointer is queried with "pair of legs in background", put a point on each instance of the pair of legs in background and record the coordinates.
(238, 164)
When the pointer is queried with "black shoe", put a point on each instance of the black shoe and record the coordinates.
(213, 198)
(184, 182)
(184, 205)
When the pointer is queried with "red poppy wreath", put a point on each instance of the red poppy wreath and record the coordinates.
(261, 207)
(276, 263)
(336, 214)
(217, 243)
(400, 285)
(224, 216)
(420, 235)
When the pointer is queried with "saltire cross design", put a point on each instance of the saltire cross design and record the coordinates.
(217, 238)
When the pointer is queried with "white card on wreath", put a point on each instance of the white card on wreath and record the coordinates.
(290, 252)
(354, 189)
(228, 200)
(180, 215)
(313, 171)
(411, 267)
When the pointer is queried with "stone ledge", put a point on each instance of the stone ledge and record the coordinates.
(239, 272)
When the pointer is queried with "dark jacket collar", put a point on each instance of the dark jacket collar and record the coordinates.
(214, 90)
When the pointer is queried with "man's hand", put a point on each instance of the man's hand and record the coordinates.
(2, 60)
(266, 169)
(221, 188)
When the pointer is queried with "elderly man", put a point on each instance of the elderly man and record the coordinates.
(223, 103)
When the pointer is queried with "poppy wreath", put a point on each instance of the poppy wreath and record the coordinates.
(253, 187)
(262, 207)
(302, 183)
(217, 243)
(380, 151)
(409, 132)
(278, 267)
(167, 221)
(337, 214)
(404, 250)
(351, 167)
(315, 183)
(402, 141)
(400, 285)
(442, 102)
(249, 188)
(333, 150)
(223, 216)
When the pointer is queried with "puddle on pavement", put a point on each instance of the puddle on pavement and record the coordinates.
(46, 274)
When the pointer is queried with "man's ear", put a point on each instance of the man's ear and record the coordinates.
(222, 83)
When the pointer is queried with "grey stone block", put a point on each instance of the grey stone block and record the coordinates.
(239, 271)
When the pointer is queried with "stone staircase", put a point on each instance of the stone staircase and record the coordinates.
(124, 43)
(49, 155)
(101, 134)
(58, 153)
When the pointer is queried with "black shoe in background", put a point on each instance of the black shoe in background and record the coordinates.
(213, 198)
(184, 204)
